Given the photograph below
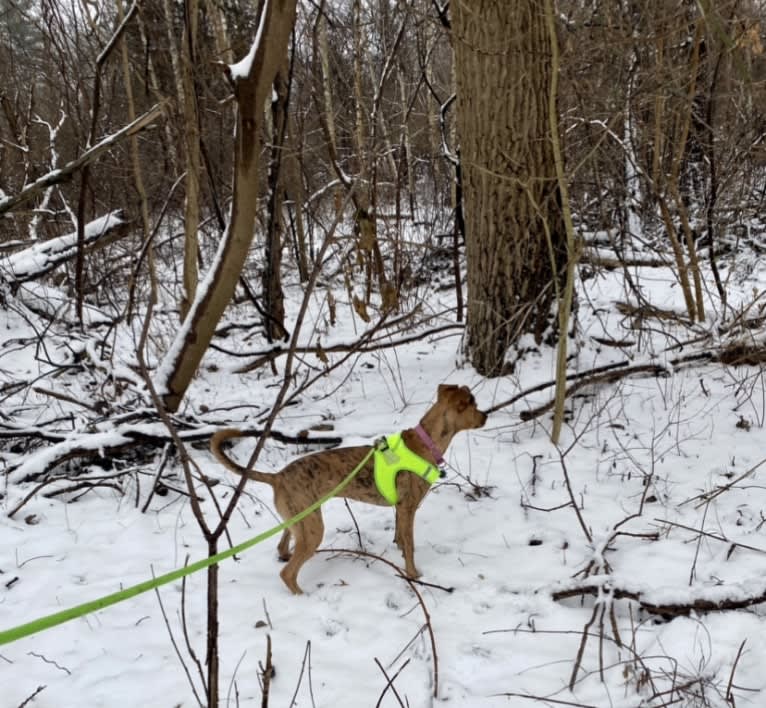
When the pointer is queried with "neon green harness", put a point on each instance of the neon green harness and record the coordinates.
(393, 456)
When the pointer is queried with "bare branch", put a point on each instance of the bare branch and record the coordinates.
(65, 173)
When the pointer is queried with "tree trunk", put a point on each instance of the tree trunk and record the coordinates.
(252, 79)
(273, 295)
(515, 236)
(188, 97)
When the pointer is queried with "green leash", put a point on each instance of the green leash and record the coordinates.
(42, 623)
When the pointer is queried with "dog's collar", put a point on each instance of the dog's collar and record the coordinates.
(427, 440)
(393, 456)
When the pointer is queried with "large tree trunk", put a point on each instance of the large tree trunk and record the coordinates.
(252, 79)
(515, 236)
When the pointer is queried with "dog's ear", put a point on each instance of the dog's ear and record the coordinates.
(445, 388)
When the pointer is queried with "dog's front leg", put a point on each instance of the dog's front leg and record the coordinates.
(405, 536)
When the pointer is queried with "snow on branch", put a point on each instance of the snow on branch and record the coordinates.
(670, 602)
(43, 257)
(111, 437)
(65, 173)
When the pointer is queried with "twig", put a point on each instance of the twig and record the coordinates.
(390, 683)
(267, 672)
(706, 497)
(546, 699)
(356, 347)
(711, 535)
(185, 630)
(304, 664)
(233, 681)
(693, 569)
(572, 499)
(38, 690)
(356, 525)
(177, 650)
(83, 482)
(64, 397)
(51, 661)
(729, 697)
(160, 468)
(581, 649)
(266, 613)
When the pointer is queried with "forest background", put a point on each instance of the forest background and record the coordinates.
(229, 212)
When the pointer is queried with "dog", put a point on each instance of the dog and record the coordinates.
(309, 478)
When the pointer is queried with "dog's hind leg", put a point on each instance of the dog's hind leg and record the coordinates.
(307, 536)
(283, 547)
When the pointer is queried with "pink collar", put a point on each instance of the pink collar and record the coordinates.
(430, 444)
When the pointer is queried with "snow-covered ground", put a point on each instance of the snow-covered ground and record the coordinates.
(500, 532)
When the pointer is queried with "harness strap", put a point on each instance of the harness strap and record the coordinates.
(393, 456)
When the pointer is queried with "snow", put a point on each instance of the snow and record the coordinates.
(40, 256)
(499, 531)
(241, 70)
(167, 366)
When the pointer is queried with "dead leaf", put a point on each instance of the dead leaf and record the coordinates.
(361, 308)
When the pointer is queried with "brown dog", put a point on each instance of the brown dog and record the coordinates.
(309, 478)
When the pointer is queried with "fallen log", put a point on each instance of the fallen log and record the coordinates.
(109, 440)
(45, 256)
(668, 603)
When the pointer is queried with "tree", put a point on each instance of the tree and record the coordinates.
(515, 236)
(252, 80)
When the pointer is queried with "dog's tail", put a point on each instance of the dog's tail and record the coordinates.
(215, 447)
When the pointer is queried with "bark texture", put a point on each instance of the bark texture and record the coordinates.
(515, 236)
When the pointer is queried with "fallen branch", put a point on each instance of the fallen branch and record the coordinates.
(716, 599)
(733, 354)
(592, 256)
(357, 347)
(43, 257)
(109, 441)
(548, 384)
(606, 377)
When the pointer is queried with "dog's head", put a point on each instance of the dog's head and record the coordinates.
(460, 407)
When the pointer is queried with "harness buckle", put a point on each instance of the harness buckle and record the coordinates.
(381, 444)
